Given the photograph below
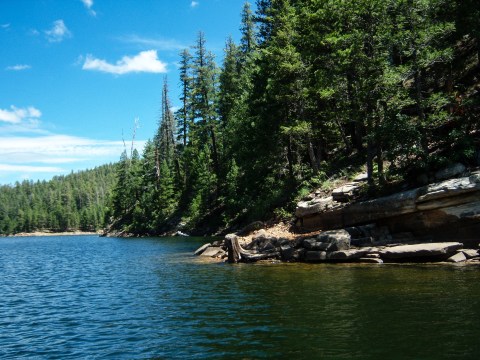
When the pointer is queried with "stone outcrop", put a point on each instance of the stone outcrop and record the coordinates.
(448, 209)
(417, 225)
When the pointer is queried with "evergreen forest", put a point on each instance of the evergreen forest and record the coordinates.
(314, 89)
(73, 202)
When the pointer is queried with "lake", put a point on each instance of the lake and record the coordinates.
(85, 297)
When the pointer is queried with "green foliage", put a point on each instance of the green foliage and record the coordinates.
(74, 202)
(316, 89)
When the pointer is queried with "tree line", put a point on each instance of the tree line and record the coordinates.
(73, 202)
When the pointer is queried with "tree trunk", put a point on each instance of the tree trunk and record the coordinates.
(311, 154)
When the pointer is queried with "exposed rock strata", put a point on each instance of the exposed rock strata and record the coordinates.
(412, 226)
(449, 209)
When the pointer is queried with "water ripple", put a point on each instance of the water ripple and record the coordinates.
(93, 298)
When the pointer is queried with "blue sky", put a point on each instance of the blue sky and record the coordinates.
(75, 74)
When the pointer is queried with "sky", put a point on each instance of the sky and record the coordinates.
(76, 74)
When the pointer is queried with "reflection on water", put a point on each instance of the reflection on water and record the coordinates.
(81, 297)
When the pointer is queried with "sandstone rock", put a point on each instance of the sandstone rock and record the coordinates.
(371, 260)
(313, 244)
(257, 225)
(338, 239)
(287, 252)
(346, 254)
(213, 251)
(458, 257)
(201, 249)
(420, 250)
(260, 234)
(361, 177)
(309, 243)
(305, 208)
(451, 171)
(346, 192)
(299, 254)
(372, 256)
(470, 253)
(448, 188)
(315, 256)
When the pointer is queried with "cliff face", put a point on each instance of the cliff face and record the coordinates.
(445, 210)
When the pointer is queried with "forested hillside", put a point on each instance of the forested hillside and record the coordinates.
(73, 202)
(314, 88)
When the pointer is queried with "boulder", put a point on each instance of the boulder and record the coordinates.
(315, 256)
(346, 192)
(458, 257)
(213, 251)
(299, 254)
(201, 249)
(361, 177)
(287, 252)
(338, 239)
(256, 225)
(420, 250)
(313, 244)
(451, 171)
(470, 253)
(346, 254)
(306, 208)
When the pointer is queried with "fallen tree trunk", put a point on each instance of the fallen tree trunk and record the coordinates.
(238, 254)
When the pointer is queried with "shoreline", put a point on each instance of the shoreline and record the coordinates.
(48, 233)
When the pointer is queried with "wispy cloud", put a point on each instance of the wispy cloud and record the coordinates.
(7, 168)
(5, 26)
(145, 61)
(55, 149)
(18, 67)
(157, 43)
(16, 115)
(58, 32)
(194, 4)
(89, 5)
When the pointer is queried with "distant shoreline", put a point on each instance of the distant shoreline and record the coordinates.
(48, 233)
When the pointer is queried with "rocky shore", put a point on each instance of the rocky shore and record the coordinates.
(437, 222)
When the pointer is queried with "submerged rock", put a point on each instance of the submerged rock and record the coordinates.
(458, 257)
(201, 249)
(213, 251)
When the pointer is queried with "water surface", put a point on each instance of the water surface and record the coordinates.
(84, 297)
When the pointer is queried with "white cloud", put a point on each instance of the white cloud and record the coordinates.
(89, 4)
(28, 151)
(54, 148)
(40, 157)
(18, 67)
(194, 4)
(5, 26)
(4, 168)
(158, 43)
(145, 61)
(58, 32)
(17, 115)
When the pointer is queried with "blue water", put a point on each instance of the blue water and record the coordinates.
(84, 297)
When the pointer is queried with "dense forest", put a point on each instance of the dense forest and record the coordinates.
(72, 202)
(314, 88)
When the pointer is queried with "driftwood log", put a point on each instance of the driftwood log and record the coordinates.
(238, 254)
